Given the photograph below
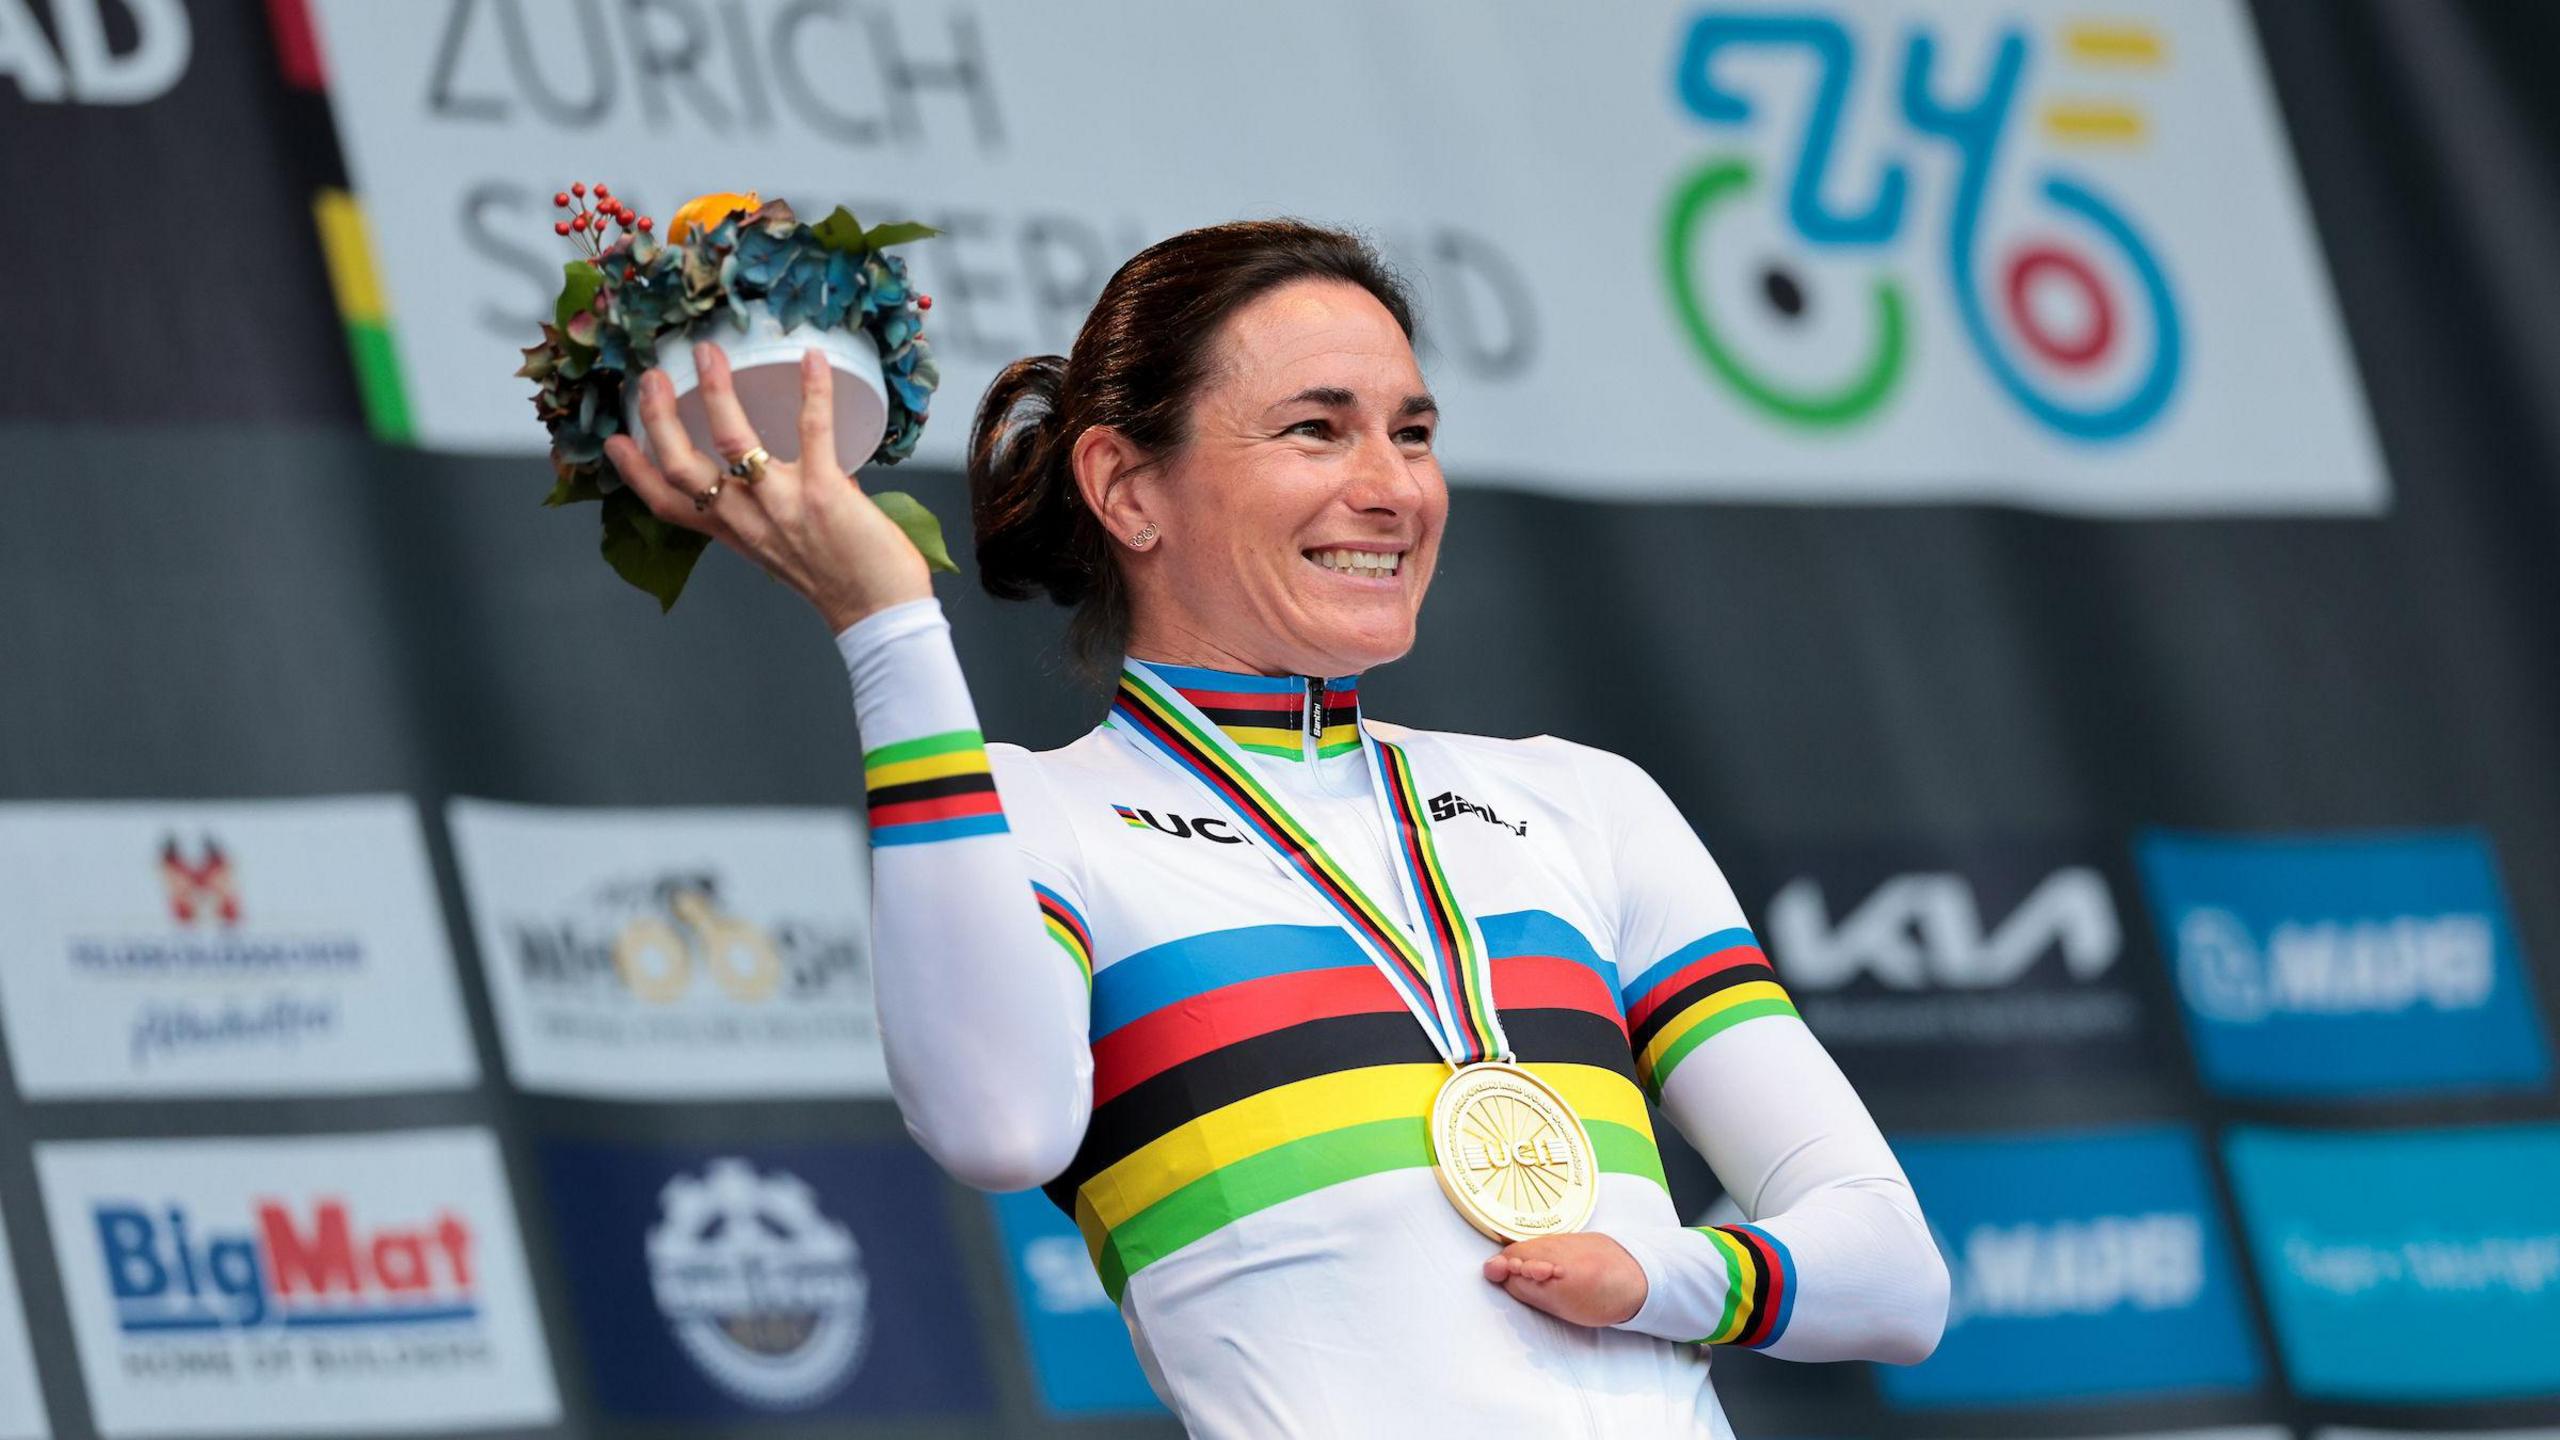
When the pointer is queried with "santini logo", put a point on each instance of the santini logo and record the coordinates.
(1449, 806)
(2328, 967)
(2041, 1270)
(1206, 827)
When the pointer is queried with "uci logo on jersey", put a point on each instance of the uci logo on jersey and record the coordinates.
(1211, 828)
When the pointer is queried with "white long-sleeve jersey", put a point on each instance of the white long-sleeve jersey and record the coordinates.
(1088, 981)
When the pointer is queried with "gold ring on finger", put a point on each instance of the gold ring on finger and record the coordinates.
(703, 500)
(750, 466)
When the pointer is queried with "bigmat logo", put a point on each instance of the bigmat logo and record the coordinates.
(259, 947)
(764, 1281)
(1079, 1345)
(1992, 964)
(2346, 964)
(2083, 1264)
(674, 954)
(21, 1401)
(331, 1284)
(2409, 1266)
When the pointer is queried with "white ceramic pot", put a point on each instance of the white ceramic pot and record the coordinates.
(765, 365)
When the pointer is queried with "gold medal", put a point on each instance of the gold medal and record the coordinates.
(1511, 1154)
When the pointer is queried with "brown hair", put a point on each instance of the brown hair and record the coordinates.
(1141, 356)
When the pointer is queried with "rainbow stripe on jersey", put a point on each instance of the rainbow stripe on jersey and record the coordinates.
(1066, 926)
(1700, 990)
(1237, 1069)
(933, 787)
(1760, 1286)
(1263, 714)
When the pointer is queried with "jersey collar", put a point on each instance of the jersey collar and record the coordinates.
(1270, 715)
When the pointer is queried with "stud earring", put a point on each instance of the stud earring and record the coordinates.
(1143, 538)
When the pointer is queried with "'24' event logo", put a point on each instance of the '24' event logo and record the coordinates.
(2084, 380)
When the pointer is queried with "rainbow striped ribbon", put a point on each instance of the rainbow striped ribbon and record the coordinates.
(1451, 989)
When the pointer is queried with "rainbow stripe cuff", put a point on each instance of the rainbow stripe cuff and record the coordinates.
(1067, 927)
(934, 787)
(1760, 1286)
(1697, 992)
(1264, 713)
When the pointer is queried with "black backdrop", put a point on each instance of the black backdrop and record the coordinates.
(213, 584)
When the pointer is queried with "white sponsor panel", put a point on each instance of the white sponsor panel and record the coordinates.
(338, 1284)
(261, 947)
(21, 1400)
(674, 954)
(1925, 250)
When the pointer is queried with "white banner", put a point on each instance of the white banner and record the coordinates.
(674, 954)
(323, 1285)
(21, 1400)
(261, 947)
(1918, 251)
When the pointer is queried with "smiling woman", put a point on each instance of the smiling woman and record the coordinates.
(1334, 1036)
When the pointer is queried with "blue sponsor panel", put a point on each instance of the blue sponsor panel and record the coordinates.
(1079, 1345)
(2408, 1265)
(2324, 966)
(758, 1280)
(2085, 1265)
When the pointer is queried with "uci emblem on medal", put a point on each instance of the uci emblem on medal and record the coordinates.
(1511, 1154)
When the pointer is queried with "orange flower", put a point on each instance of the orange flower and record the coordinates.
(707, 211)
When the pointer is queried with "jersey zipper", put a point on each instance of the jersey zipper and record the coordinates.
(1315, 714)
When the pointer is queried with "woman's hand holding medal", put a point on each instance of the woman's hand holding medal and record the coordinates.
(807, 523)
(1585, 1277)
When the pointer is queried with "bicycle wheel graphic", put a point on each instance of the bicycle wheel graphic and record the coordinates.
(1696, 202)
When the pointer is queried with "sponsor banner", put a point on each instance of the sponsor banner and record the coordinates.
(2334, 965)
(2336, 1432)
(2085, 1265)
(765, 1281)
(21, 1400)
(321, 1285)
(1928, 250)
(1990, 964)
(674, 954)
(2417, 1265)
(1079, 1345)
(258, 947)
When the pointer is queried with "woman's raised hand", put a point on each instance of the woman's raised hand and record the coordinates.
(806, 522)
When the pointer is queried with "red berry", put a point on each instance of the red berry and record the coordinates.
(628, 272)
(578, 187)
(648, 223)
(580, 223)
(561, 199)
(601, 192)
(559, 227)
(924, 302)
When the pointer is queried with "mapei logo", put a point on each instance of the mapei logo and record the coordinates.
(1927, 931)
(1859, 170)
(668, 936)
(2040, 1270)
(1448, 805)
(171, 1273)
(200, 889)
(764, 1291)
(1215, 829)
(2378, 966)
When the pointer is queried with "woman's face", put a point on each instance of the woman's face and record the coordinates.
(1301, 521)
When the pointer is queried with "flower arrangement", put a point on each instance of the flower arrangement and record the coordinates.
(624, 297)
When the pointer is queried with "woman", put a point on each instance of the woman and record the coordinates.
(1204, 972)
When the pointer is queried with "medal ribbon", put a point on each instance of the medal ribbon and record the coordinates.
(1450, 990)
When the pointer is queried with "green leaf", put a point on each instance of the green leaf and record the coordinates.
(573, 486)
(660, 565)
(840, 231)
(580, 280)
(896, 232)
(922, 529)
